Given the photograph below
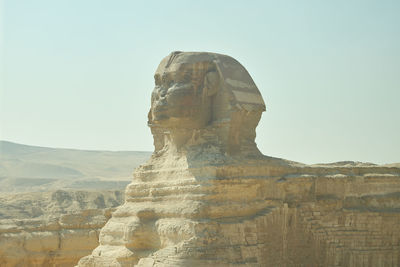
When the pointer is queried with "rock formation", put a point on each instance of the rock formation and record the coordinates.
(52, 228)
(208, 197)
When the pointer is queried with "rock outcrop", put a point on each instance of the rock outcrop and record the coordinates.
(52, 228)
(208, 197)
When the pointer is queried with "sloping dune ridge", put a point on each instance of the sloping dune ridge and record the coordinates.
(26, 168)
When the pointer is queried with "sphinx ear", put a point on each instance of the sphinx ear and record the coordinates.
(211, 82)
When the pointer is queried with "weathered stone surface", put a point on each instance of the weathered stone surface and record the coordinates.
(52, 228)
(208, 197)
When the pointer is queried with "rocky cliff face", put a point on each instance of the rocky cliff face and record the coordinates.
(52, 228)
(255, 213)
(208, 197)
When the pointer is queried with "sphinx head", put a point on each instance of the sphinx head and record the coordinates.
(198, 90)
(184, 87)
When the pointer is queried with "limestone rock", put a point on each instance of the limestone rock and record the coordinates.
(208, 197)
(52, 228)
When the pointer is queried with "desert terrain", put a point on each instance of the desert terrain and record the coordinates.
(53, 202)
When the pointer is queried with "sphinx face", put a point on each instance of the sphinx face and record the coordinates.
(177, 100)
(197, 90)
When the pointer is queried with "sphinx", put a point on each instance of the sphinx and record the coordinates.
(209, 197)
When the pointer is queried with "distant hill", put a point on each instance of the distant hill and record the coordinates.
(32, 168)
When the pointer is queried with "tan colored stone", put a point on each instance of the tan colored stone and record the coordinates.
(208, 197)
(65, 228)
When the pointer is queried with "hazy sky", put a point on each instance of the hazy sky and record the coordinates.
(79, 74)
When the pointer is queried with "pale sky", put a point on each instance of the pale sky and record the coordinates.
(79, 74)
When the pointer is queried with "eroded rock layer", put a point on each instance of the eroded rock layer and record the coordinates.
(262, 213)
(52, 228)
(208, 197)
